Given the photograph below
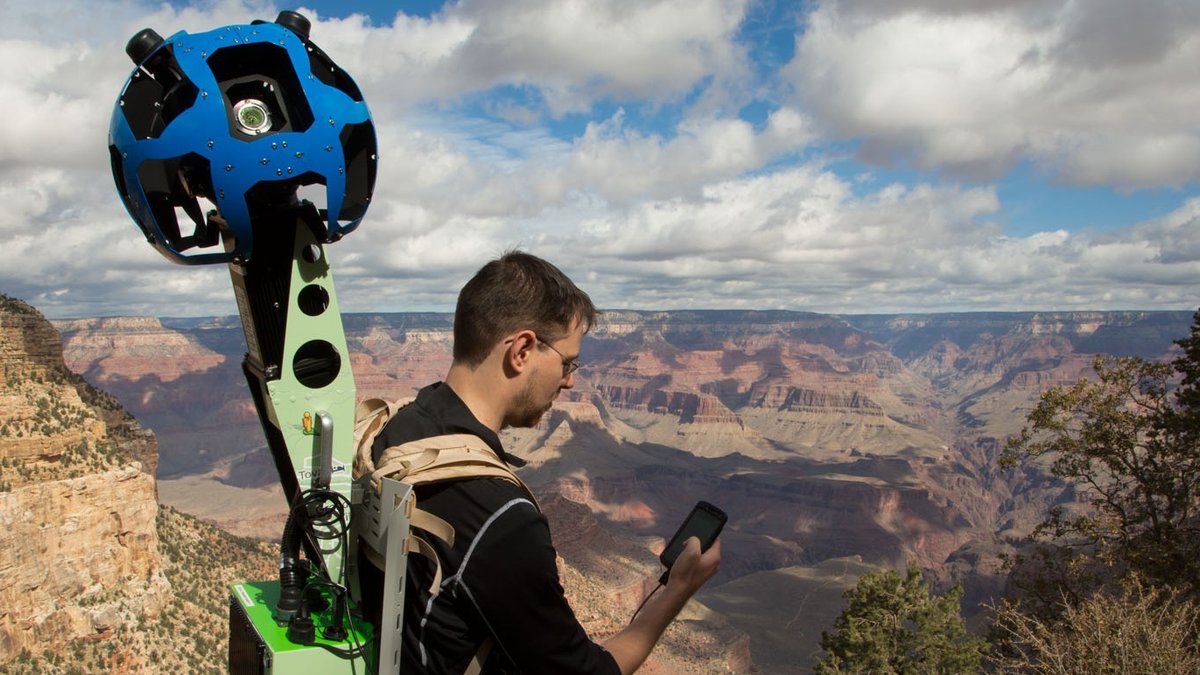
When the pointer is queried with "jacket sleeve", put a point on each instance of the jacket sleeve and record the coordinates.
(512, 579)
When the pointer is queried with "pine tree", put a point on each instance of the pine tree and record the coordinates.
(1182, 422)
(1130, 442)
(892, 625)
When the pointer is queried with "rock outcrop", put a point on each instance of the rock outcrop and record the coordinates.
(79, 552)
(81, 559)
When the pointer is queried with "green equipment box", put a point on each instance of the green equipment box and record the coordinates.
(258, 644)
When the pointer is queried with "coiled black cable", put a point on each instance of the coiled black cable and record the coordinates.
(321, 516)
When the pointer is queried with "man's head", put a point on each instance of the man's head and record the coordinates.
(518, 329)
(514, 292)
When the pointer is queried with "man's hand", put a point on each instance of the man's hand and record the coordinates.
(691, 570)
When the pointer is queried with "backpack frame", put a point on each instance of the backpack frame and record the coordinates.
(387, 517)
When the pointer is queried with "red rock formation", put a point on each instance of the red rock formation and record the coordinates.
(78, 542)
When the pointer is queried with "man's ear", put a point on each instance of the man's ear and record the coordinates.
(520, 350)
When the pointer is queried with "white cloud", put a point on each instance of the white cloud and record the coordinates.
(571, 53)
(620, 163)
(1097, 92)
(800, 239)
(707, 210)
(656, 50)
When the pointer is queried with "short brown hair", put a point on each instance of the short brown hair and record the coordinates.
(516, 291)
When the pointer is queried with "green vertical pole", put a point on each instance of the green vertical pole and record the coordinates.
(313, 400)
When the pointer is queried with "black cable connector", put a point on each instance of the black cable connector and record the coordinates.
(315, 599)
(301, 630)
(336, 630)
(293, 575)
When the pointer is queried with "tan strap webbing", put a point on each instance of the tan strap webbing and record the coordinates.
(477, 661)
(370, 416)
(412, 543)
(439, 458)
(427, 460)
(431, 524)
(415, 543)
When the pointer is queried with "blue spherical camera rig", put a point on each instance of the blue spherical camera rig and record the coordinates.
(212, 139)
(241, 116)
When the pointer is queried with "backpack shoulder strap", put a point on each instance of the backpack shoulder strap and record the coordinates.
(425, 460)
(370, 416)
(442, 458)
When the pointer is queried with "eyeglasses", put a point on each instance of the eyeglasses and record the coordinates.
(569, 365)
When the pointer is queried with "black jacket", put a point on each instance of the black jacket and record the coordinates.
(499, 578)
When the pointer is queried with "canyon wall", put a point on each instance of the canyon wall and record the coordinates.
(79, 552)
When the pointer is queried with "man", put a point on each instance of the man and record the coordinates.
(518, 328)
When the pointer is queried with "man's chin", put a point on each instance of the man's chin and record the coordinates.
(530, 421)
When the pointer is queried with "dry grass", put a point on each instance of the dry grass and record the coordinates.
(1136, 632)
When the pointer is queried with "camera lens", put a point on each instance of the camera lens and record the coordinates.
(252, 116)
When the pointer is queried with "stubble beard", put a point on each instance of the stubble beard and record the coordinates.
(527, 411)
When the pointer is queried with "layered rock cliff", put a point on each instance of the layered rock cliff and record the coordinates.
(79, 554)
(94, 575)
(174, 382)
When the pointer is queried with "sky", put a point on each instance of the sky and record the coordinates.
(847, 156)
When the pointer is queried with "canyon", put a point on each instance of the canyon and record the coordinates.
(96, 575)
(836, 444)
